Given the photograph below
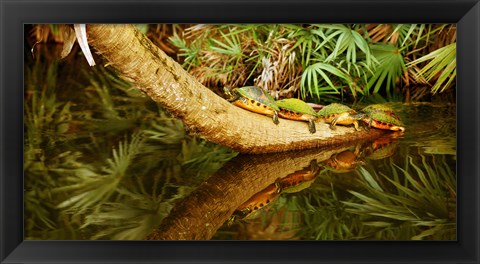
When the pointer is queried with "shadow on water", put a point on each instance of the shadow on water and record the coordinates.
(111, 164)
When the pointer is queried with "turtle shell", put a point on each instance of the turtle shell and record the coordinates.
(256, 202)
(300, 179)
(257, 100)
(296, 105)
(343, 162)
(384, 146)
(332, 110)
(256, 94)
(380, 150)
(383, 117)
(296, 109)
(339, 114)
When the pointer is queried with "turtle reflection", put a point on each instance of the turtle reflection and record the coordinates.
(382, 147)
(345, 161)
(256, 202)
(293, 182)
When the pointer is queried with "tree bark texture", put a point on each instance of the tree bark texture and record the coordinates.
(202, 111)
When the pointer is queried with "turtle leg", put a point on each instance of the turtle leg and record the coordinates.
(314, 166)
(367, 123)
(333, 124)
(234, 98)
(278, 185)
(275, 117)
(311, 126)
(355, 124)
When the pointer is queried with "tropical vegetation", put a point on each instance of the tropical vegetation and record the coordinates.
(401, 62)
(104, 161)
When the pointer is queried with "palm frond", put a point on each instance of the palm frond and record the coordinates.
(389, 70)
(420, 201)
(312, 85)
(88, 187)
(442, 67)
(349, 41)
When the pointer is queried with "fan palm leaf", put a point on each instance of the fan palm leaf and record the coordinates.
(442, 67)
(390, 69)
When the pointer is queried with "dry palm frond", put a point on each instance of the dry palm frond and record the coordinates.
(46, 32)
(280, 73)
(445, 35)
(442, 67)
(160, 34)
(379, 33)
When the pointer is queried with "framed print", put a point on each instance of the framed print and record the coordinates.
(231, 131)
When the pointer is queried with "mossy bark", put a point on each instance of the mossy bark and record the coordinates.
(203, 112)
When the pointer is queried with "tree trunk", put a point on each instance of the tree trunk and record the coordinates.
(203, 112)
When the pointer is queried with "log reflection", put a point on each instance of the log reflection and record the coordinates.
(199, 215)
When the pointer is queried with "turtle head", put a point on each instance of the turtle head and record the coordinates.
(227, 91)
(238, 214)
(361, 116)
(233, 94)
(231, 220)
(365, 118)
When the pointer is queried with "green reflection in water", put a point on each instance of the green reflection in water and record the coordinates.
(103, 161)
(415, 199)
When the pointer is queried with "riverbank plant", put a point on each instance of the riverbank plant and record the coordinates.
(322, 62)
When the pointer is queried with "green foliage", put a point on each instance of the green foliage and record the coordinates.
(90, 187)
(417, 199)
(441, 68)
(189, 53)
(325, 217)
(310, 79)
(390, 68)
(326, 62)
(411, 199)
(102, 161)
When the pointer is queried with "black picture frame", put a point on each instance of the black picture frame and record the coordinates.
(14, 14)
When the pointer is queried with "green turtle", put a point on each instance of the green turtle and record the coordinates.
(296, 109)
(382, 117)
(340, 114)
(254, 99)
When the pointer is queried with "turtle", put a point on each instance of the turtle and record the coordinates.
(296, 109)
(340, 114)
(254, 99)
(256, 202)
(344, 161)
(382, 148)
(300, 179)
(382, 116)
